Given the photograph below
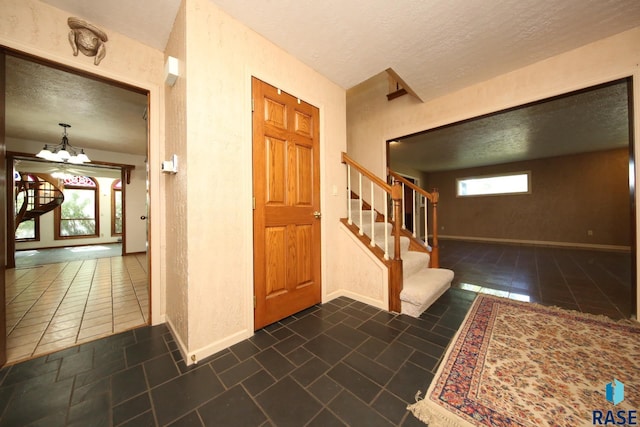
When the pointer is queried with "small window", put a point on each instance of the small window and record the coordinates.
(513, 183)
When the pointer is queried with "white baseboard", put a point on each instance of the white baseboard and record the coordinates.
(194, 356)
(617, 248)
(181, 346)
(213, 348)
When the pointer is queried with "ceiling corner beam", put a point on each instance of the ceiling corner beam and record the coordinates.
(403, 87)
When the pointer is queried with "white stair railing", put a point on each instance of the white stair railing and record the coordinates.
(430, 202)
(416, 212)
(385, 192)
(374, 204)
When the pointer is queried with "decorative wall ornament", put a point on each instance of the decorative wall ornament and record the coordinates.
(87, 38)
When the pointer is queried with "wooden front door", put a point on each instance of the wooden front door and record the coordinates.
(286, 222)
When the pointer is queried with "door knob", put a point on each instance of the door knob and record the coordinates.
(143, 217)
(317, 214)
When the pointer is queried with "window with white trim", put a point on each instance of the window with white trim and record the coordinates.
(491, 185)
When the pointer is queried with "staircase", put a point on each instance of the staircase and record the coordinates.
(35, 195)
(415, 281)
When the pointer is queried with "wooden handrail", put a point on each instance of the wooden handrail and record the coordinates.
(379, 182)
(433, 197)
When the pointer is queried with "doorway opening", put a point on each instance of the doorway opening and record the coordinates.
(82, 272)
(577, 222)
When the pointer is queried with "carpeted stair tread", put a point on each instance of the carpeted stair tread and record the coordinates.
(423, 288)
(413, 262)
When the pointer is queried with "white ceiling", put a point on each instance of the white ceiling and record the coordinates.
(435, 47)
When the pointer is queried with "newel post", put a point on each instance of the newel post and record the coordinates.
(435, 250)
(395, 276)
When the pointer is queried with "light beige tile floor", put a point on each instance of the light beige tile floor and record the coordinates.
(54, 306)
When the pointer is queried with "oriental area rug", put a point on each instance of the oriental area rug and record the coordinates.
(521, 364)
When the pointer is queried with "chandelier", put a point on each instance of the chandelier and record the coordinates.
(64, 152)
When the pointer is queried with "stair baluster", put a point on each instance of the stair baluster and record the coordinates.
(386, 221)
(361, 204)
(372, 216)
(426, 220)
(349, 219)
(415, 212)
(404, 218)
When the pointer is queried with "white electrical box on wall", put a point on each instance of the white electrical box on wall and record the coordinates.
(170, 166)
(171, 70)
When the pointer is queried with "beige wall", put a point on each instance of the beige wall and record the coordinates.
(220, 57)
(175, 221)
(41, 30)
(569, 195)
(372, 120)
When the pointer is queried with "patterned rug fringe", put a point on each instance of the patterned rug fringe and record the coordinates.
(600, 317)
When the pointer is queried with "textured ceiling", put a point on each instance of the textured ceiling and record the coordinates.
(102, 116)
(435, 46)
(587, 121)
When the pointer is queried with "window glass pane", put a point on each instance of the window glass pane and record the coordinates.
(78, 211)
(117, 197)
(26, 230)
(20, 199)
(504, 184)
(77, 227)
(78, 204)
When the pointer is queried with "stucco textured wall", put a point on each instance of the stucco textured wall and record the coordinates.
(222, 55)
(175, 223)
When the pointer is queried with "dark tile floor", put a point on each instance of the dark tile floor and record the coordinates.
(340, 363)
(590, 281)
